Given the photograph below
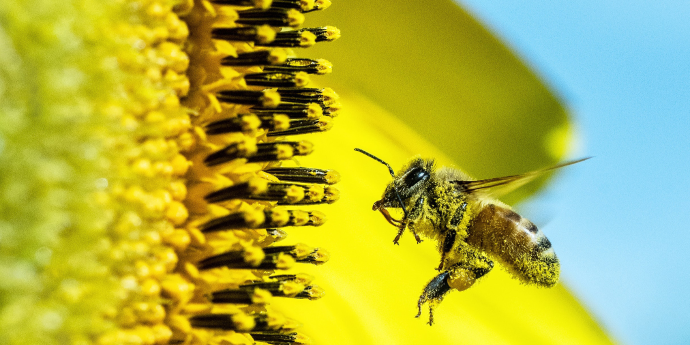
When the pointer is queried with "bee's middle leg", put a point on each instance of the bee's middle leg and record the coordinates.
(448, 243)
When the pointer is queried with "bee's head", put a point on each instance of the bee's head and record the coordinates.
(405, 184)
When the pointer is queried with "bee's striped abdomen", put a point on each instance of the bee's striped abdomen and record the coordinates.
(517, 243)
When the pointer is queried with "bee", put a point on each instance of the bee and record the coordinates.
(470, 226)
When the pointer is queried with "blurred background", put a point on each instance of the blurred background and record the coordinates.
(620, 222)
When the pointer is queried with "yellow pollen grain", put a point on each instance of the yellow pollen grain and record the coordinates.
(303, 278)
(295, 18)
(178, 190)
(302, 339)
(324, 66)
(306, 5)
(332, 177)
(332, 33)
(257, 186)
(307, 39)
(243, 322)
(248, 168)
(250, 123)
(334, 109)
(263, 4)
(321, 256)
(254, 218)
(177, 213)
(265, 34)
(291, 288)
(248, 147)
(277, 56)
(301, 79)
(253, 255)
(316, 292)
(294, 194)
(276, 321)
(197, 308)
(285, 261)
(178, 239)
(261, 297)
(284, 151)
(317, 218)
(300, 217)
(314, 111)
(281, 122)
(180, 165)
(179, 323)
(332, 194)
(270, 98)
(161, 334)
(196, 237)
(325, 123)
(316, 192)
(322, 4)
(461, 279)
(302, 250)
(279, 217)
(329, 95)
(305, 147)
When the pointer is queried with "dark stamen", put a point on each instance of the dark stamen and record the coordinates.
(218, 321)
(280, 338)
(307, 175)
(247, 123)
(271, 16)
(264, 219)
(301, 5)
(253, 3)
(310, 66)
(297, 79)
(304, 126)
(256, 58)
(290, 39)
(266, 152)
(324, 97)
(267, 98)
(237, 260)
(292, 110)
(257, 34)
(324, 33)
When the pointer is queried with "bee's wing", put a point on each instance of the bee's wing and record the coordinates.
(507, 183)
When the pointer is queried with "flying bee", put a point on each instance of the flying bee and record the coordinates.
(470, 227)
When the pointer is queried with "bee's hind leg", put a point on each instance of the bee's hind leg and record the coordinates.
(433, 294)
(459, 277)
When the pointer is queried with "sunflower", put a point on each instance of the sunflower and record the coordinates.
(153, 153)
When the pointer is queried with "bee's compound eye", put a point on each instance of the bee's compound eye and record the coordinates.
(415, 176)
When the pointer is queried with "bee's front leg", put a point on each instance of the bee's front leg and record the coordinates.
(413, 215)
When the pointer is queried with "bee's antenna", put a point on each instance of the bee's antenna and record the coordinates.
(392, 174)
(378, 160)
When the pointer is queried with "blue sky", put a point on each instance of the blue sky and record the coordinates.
(620, 221)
